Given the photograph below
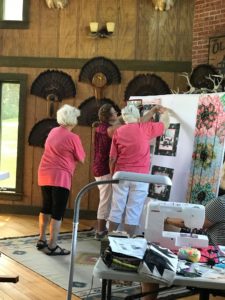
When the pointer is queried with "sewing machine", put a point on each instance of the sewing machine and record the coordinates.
(193, 216)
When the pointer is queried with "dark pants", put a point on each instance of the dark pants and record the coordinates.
(54, 201)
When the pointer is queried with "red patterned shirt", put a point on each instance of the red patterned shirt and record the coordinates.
(102, 144)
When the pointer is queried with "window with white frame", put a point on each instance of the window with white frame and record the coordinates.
(14, 14)
(12, 10)
(12, 103)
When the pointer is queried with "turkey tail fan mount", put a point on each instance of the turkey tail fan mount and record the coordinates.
(40, 131)
(200, 77)
(100, 65)
(89, 110)
(146, 85)
(53, 85)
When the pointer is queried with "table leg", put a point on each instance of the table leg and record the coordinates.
(204, 295)
(104, 285)
(109, 289)
(13, 279)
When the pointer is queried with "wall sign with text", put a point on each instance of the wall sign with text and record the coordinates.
(217, 52)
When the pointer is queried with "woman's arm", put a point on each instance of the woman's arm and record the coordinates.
(207, 224)
(110, 130)
(149, 115)
(180, 223)
(112, 163)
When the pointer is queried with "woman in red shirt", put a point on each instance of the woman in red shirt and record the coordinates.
(102, 143)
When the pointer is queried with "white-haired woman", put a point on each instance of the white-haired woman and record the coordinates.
(63, 150)
(130, 151)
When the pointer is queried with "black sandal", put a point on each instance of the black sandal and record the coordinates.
(41, 244)
(57, 251)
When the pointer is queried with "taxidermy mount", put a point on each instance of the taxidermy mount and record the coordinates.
(56, 3)
(163, 4)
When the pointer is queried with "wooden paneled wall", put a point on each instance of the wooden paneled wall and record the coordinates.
(141, 33)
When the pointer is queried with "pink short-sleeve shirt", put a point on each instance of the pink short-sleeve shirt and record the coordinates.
(63, 149)
(131, 146)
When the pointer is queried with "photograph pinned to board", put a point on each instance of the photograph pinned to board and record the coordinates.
(136, 102)
(157, 191)
(144, 108)
(167, 143)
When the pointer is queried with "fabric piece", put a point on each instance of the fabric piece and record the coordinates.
(215, 212)
(130, 146)
(102, 144)
(105, 198)
(63, 149)
(210, 255)
(159, 263)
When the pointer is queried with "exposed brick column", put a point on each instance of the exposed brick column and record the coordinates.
(209, 21)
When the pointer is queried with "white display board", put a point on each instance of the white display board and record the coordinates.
(173, 153)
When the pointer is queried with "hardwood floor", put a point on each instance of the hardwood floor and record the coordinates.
(31, 286)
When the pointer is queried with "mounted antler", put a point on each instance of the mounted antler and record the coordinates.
(56, 3)
(191, 87)
(217, 82)
(163, 4)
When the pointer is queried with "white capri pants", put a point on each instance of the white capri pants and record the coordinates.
(105, 197)
(128, 197)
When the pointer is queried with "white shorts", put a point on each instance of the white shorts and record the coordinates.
(129, 198)
(105, 197)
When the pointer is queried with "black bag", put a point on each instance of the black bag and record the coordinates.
(120, 262)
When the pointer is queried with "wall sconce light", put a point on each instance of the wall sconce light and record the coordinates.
(104, 32)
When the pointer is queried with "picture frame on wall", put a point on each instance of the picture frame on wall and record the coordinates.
(167, 143)
(157, 191)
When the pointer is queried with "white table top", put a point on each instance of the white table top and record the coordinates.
(4, 175)
(102, 271)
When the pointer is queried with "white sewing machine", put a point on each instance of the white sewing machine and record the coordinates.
(193, 216)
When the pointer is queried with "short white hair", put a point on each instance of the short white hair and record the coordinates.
(130, 114)
(67, 115)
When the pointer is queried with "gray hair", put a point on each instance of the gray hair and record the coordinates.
(67, 115)
(130, 114)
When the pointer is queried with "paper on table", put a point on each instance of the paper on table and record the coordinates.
(129, 246)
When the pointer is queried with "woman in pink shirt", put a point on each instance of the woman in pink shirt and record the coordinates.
(130, 151)
(63, 150)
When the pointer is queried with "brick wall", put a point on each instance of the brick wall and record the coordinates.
(209, 21)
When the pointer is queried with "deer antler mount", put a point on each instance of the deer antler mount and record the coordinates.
(163, 5)
(59, 4)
